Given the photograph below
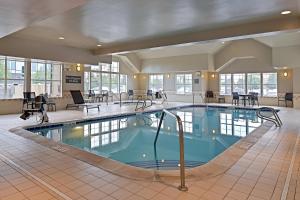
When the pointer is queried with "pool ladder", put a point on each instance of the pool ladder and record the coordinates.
(182, 185)
(276, 120)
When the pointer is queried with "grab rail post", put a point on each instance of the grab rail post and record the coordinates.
(182, 185)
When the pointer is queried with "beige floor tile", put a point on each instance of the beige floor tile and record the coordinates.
(95, 195)
(121, 194)
(146, 193)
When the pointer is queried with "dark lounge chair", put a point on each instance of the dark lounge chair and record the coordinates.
(130, 94)
(37, 107)
(28, 100)
(253, 98)
(209, 95)
(235, 98)
(79, 102)
(287, 97)
(150, 94)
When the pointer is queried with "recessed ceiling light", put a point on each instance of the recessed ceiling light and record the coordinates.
(223, 42)
(61, 38)
(99, 45)
(286, 12)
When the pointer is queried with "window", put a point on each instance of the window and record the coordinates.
(114, 137)
(156, 82)
(115, 67)
(239, 84)
(226, 123)
(225, 84)
(11, 78)
(87, 81)
(123, 83)
(105, 67)
(270, 84)
(104, 77)
(183, 83)
(105, 126)
(105, 139)
(95, 82)
(254, 83)
(95, 141)
(46, 78)
(114, 83)
(187, 121)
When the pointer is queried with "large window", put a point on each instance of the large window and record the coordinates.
(254, 83)
(184, 83)
(46, 78)
(225, 84)
(11, 78)
(264, 84)
(270, 84)
(123, 83)
(239, 83)
(156, 82)
(104, 77)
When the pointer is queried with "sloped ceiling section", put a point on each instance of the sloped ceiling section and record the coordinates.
(18, 14)
(246, 55)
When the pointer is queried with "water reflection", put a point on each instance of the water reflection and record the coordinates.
(210, 127)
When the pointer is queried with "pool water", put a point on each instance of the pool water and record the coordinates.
(208, 131)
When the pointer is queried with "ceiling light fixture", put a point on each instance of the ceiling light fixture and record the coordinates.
(286, 12)
(61, 38)
(99, 45)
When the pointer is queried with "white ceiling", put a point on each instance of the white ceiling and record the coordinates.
(178, 50)
(115, 21)
(280, 40)
(275, 40)
(18, 14)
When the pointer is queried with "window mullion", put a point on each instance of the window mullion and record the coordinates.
(5, 76)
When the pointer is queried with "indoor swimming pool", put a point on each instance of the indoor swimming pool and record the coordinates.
(208, 131)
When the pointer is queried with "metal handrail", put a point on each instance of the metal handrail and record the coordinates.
(201, 96)
(276, 120)
(121, 97)
(144, 103)
(182, 185)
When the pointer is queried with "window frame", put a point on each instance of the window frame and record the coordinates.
(89, 69)
(6, 79)
(239, 84)
(155, 86)
(184, 84)
(251, 84)
(225, 84)
(46, 80)
(263, 84)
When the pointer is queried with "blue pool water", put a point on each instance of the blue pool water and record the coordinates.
(207, 131)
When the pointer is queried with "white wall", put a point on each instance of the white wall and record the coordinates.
(246, 55)
(184, 63)
(11, 46)
(286, 56)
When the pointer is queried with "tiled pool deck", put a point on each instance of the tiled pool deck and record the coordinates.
(28, 170)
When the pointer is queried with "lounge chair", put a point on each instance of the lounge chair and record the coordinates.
(37, 107)
(79, 102)
(287, 97)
